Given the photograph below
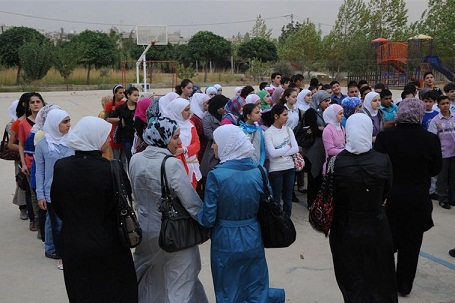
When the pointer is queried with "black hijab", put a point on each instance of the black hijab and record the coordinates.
(216, 103)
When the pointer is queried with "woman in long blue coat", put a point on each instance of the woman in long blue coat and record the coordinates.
(233, 192)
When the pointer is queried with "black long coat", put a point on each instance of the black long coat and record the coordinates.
(96, 267)
(416, 157)
(360, 238)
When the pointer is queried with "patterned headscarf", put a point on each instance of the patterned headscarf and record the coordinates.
(160, 131)
(349, 105)
(41, 116)
(410, 111)
(235, 105)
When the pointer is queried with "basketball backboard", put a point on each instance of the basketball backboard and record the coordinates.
(151, 34)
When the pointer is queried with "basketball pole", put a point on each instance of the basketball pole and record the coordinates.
(144, 66)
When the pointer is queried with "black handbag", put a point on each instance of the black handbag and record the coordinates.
(130, 231)
(5, 152)
(178, 229)
(276, 227)
(22, 182)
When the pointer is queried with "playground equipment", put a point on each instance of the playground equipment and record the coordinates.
(397, 63)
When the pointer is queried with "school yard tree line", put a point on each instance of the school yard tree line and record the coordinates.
(301, 45)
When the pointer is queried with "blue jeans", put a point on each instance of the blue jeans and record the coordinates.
(282, 183)
(48, 240)
(126, 148)
(56, 226)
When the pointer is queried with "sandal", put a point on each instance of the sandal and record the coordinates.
(32, 226)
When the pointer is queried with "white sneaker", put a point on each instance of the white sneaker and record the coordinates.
(60, 264)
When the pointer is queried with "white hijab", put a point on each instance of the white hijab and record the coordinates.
(174, 110)
(197, 104)
(12, 110)
(330, 115)
(164, 102)
(237, 90)
(232, 143)
(358, 133)
(252, 98)
(301, 104)
(51, 129)
(90, 133)
(367, 103)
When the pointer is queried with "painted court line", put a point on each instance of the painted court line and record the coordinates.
(437, 260)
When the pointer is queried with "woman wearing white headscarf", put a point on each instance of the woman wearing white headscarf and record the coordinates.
(199, 106)
(239, 268)
(97, 267)
(53, 147)
(333, 135)
(372, 108)
(179, 111)
(304, 99)
(164, 101)
(360, 238)
(162, 276)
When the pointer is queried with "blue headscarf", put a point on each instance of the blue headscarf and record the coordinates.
(250, 129)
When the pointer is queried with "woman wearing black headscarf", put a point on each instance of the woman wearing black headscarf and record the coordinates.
(210, 122)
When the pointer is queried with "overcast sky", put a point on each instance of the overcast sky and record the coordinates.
(225, 18)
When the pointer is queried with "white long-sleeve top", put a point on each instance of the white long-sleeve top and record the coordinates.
(280, 145)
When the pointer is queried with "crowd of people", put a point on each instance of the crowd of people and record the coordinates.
(392, 158)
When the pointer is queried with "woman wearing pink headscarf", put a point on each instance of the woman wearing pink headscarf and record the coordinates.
(333, 135)
(140, 118)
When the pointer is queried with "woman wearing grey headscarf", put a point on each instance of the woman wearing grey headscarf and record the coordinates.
(315, 154)
(360, 239)
(162, 276)
(416, 157)
(97, 267)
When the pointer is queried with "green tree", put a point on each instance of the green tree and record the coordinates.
(258, 49)
(438, 22)
(388, 19)
(304, 46)
(347, 46)
(205, 46)
(35, 57)
(66, 58)
(260, 30)
(10, 43)
(290, 28)
(98, 50)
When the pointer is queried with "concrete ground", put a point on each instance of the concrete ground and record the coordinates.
(304, 269)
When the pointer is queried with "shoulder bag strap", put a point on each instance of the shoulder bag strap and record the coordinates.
(264, 181)
(119, 186)
(165, 191)
(5, 136)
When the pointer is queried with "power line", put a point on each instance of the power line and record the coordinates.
(116, 24)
